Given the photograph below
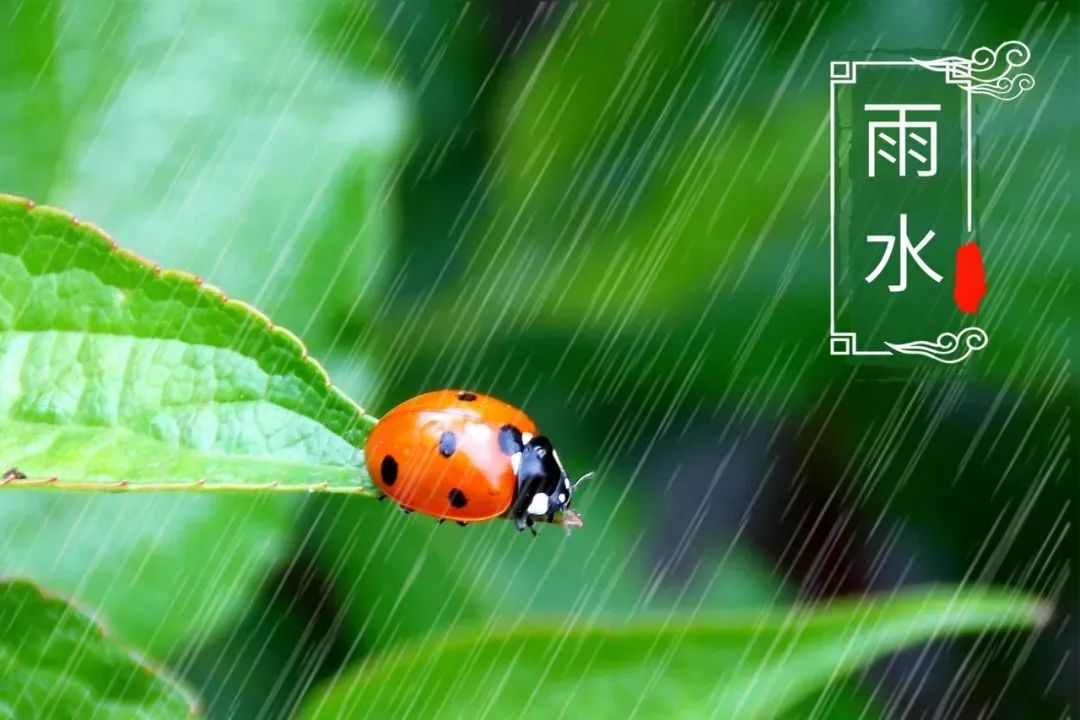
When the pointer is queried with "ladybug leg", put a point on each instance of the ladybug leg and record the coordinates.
(462, 523)
(441, 521)
(405, 510)
(381, 497)
(526, 522)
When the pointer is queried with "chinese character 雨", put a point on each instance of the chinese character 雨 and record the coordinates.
(906, 250)
(897, 140)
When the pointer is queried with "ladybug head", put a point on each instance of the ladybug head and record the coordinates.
(544, 488)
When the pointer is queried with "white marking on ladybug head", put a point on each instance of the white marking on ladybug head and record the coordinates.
(539, 504)
(515, 462)
(526, 437)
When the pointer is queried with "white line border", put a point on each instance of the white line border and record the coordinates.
(844, 72)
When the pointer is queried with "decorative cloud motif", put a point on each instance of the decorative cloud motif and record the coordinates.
(988, 71)
(950, 347)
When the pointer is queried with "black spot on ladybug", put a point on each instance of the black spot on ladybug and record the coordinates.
(447, 444)
(457, 498)
(388, 470)
(510, 439)
(466, 396)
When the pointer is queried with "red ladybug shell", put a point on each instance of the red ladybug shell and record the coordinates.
(439, 454)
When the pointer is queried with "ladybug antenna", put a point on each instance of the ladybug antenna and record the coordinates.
(583, 478)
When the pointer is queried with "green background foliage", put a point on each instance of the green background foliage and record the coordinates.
(614, 216)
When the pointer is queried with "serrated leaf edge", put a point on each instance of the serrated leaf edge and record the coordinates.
(194, 280)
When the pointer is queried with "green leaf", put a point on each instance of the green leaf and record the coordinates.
(217, 137)
(115, 374)
(677, 666)
(112, 371)
(56, 662)
(163, 569)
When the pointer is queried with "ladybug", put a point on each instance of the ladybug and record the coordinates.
(460, 455)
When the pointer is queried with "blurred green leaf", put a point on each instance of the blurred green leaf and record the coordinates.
(119, 373)
(161, 568)
(230, 141)
(56, 662)
(696, 666)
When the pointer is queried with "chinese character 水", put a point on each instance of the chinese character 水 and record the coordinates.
(906, 250)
